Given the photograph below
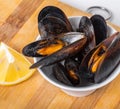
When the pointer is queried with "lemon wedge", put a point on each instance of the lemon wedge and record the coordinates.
(14, 67)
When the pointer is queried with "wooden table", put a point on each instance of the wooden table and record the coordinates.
(18, 27)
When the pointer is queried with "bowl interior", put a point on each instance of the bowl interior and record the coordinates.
(47, 72)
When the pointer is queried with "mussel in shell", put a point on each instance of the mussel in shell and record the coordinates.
(67, 73)
(52, 26)
(52, 21)
(72, 67)
(60, 72)
(110, 61)
(99, 63)
(43, 47)
(64, 53)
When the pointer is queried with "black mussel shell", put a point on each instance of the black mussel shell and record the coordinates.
(64, 53)
(84, 68)
(100, 28)
(108, 40)
(107, 56)
(33, 49)
(52, 11)
(72, 67)
(86, 27)
(52, 27)
(62, 17)
(110, 62)
(59, 72)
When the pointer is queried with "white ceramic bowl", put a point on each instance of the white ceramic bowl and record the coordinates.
(71, 90)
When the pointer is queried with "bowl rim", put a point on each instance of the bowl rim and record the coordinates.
(86, 88)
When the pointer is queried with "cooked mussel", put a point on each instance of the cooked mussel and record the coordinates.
(110, 61)
(100, 28)
(54, 12)
(52, 26)
(45, 47)
(60, 72)
(99, 63)
(72, 67)
(42, 48)
(52, 21)
(66, 52)
(67, 73)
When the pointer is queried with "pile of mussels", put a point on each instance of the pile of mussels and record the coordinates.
(81, 56)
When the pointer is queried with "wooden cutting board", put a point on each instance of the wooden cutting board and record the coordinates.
(18, 27)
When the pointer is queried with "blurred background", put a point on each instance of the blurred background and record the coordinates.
(111, 5)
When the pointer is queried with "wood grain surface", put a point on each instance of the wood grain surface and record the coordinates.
(18, 27)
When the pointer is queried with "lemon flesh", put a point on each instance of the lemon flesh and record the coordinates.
(14, 67)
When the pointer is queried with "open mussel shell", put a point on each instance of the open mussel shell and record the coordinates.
(99, 63)
(86, 27)
(84, 71)
(31, 49)
(66, 52)
(110, 62)
(52, 26)
(67, 73)
(54, 12)
(72, 67)
(59, 72)
(100, 28)
(42, 48)
(45, 47)
(58, 16)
